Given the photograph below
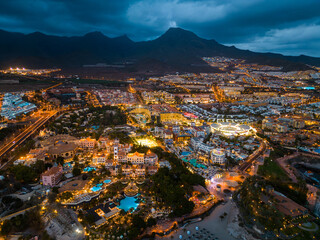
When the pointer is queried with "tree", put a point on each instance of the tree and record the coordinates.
(55, 190)
(138, 224)
(46, 236)
(39, 167)
(66, 195)
(76, 171)
(6, 228)
(151, 222)
(60, 160)
(52, 197)
(24, 173)
(107, 172)
(75, 158)
(178, 100)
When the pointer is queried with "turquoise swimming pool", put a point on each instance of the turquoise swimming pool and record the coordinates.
(186, 153)
(97, 187)
(107, 181)
(128, 202)
(194, 163)
(67, 165)
(317, 150)
(89, 169)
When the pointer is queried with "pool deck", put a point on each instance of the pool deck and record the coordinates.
(69, 186)
(128, 201)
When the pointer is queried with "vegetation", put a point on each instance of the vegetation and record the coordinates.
(27, 174)
(76, 171)
(258, 205)
(278, 178)
(172, 187)
(171, 192)
(89, 122)
(121, 135)
(66, 195)
(254, 209)
(101, 82)
(31, 219)
(111, 115)
(137, 226)
(271, 170)
(5, 132)
(25, 148)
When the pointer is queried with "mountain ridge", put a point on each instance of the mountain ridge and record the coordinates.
(178, 48)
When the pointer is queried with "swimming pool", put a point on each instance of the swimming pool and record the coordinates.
(307, 88)
(128, 202)
(317, 150)
(97, 187)
(186, 153)
(194, 163)
(68, 164)
(107, 181)
(89, 169)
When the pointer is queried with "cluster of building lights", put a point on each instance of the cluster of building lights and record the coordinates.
(147, 142)
(232, 129)
(25, 71)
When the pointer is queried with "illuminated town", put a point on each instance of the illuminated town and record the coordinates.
(93, 161)
(159, 136)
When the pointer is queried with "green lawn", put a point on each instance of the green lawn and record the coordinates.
(312, 226)
(270, 169)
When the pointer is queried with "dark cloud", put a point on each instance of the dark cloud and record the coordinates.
(284, 26)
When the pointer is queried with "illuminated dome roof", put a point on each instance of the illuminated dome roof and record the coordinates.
(230, 128)
(244, 127)
(218, 152)
(215, 125)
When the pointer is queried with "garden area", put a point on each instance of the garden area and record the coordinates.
(89, 121)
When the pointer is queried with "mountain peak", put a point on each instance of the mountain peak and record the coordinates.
(95, 34)
(177, 47)
(124, 38)
(178, 34)
(37, 34)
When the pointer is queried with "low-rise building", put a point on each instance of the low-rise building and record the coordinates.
(103, 212)
(140, 170)
(62, 149)
(218, 156)
(150, 158)
(52, 176)
(136, 158)
(87, 143)
(99, 158)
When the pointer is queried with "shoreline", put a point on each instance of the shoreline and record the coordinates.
(182, 223)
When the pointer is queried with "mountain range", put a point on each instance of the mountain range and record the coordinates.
(177, 49)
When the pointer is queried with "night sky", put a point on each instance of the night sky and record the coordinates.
(291, 27)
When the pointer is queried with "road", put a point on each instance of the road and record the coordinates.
(244, 166)
(24, 135)
(218, 93)
(16, 214)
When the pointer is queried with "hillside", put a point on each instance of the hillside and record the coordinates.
(175, 50)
